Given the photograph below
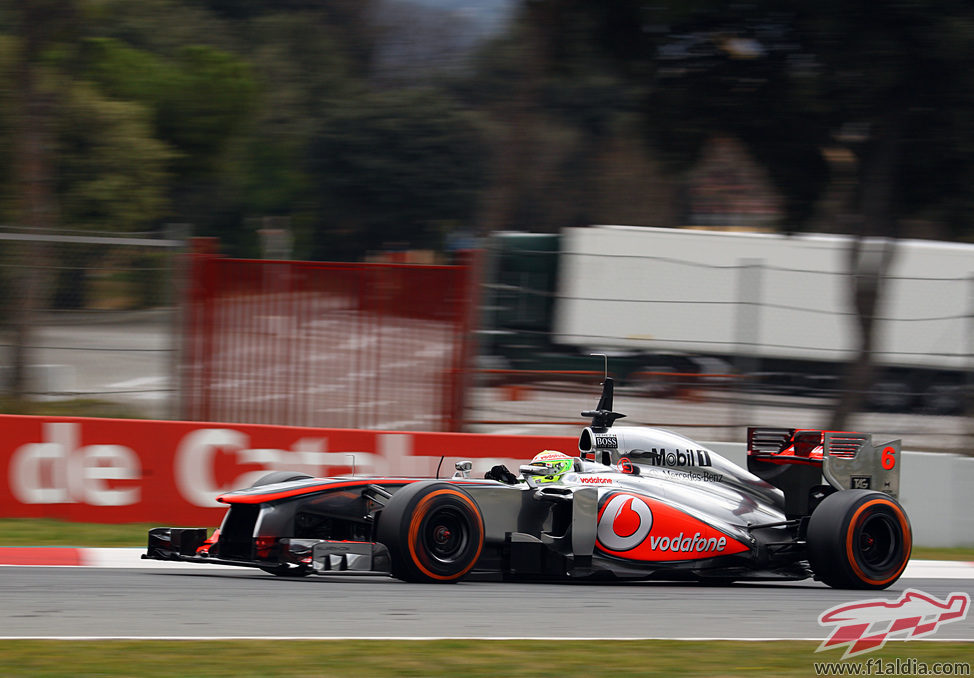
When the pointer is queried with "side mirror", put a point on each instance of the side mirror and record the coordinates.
(463, 469)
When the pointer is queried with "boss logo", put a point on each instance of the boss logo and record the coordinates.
(607, 441)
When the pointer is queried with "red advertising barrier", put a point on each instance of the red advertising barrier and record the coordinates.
(122, 470)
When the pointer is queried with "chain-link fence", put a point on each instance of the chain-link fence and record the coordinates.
(89, 318)
(114, 325)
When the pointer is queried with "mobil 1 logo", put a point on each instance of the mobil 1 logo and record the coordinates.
(663, 457)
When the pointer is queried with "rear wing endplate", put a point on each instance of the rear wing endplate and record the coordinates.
(850, 461)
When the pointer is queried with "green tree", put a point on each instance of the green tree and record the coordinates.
(112, 176)
(302, 70)
(199, 97)
(396, 167)
(112, 170)
(131, 136)
(566, 136)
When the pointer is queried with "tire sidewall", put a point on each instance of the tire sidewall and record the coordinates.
(840, 530)
(408, 519)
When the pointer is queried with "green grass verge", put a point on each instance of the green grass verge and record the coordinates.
(926, 553)
(78, 407)
(49, 532)
(470, 659)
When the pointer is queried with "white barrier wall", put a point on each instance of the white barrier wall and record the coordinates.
(937, 491)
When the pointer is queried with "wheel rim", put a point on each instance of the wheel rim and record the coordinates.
(445, 535)
(878, 541)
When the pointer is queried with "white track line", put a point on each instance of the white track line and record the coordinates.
(701, 639)
(939, 569)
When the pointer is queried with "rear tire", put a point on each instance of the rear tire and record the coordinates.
(434, 532)
(858, 539)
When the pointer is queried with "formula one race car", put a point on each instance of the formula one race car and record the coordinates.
(638, 503)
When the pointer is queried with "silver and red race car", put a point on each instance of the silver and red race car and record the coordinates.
(637, 503)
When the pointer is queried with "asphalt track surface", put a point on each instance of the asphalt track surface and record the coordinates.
(177, 602)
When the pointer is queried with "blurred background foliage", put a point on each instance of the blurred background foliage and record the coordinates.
(408, 123)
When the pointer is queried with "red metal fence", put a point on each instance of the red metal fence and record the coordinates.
(338, 345)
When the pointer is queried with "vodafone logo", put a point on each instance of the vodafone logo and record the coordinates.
(650, 530)
(624, 522)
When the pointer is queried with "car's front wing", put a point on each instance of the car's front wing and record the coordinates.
(316, 555)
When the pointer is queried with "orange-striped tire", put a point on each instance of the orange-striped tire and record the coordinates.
(858, 539)
(434, 532)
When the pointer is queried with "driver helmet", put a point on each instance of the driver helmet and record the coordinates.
(557, 464)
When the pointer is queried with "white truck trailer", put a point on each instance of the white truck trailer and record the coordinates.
(775, 302)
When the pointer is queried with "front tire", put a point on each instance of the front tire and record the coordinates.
(858, 539)
(434, 532)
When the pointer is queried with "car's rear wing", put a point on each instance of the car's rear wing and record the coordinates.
(847, 460)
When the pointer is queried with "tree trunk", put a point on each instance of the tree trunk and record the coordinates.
(870, 256)
(32, 160)
(868, 267)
